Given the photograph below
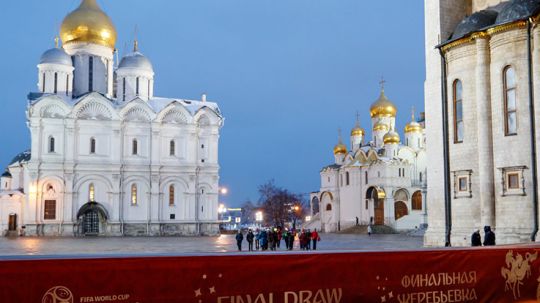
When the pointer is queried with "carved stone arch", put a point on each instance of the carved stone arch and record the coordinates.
(137, 179)
(401, 195)
(206, 116)
(51, 186)
(372, 156)
(89, 178)
(93, 111)
(361, 156)
(54, 111)
(173, 180)
(175, 113)
(136, 114)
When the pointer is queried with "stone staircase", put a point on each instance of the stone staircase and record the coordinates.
(357, 229)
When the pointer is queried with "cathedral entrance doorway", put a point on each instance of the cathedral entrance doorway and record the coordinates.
(12, 225)
(400, 210)
(377, 195)
(92, 218)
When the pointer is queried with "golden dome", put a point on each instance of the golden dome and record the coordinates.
(357, 131)
(391, 138)
(413, 127)
(88, 23)
(380, 126)
(340, 149)
(383, 107)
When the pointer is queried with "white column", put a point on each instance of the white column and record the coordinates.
(485, 137)
(536, 92)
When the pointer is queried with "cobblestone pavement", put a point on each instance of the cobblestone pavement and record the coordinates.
(31, 246)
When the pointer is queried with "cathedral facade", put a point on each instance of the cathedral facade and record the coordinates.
(483, 108)
(380, 182)
(108, 157)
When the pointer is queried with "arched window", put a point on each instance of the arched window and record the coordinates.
(51, 145)
(458, 112)
(123, 89)
(420, 176)
(171, 195)
(347, 178)
(43, 83)
(367, 180)
(90, 74)
(417, 201)
(134, 147)
(55, 83)
(134, 194)
(91, 193)
(92, 145)
(137, 87)
(328, 207)
(510, 116)
(172, 148)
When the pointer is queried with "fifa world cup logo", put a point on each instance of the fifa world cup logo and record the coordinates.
(58, 294)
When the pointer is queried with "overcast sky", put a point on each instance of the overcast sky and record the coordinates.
(286, 73)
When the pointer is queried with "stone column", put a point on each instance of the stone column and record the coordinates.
(536, 91)
(485, 136)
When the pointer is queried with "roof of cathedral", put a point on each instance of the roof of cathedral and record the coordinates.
(136, 60)
(518, 10)
(475, 22)
(21, 158)
(383, 107)
(55, 56)
(6, 174)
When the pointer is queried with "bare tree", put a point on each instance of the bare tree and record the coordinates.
(280, 206)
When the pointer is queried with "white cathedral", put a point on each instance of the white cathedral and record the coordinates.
(107, 157)
(380, 182)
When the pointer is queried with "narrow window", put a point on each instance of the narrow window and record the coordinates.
(43, 83)
(462, 184)
(123, 89)
(148, 89)
(92, 145)
(367, 181)
(172, 148)
(328, 207)
(55, 83)
(50, 210)
(420, 177)
(171, 195)
(134, 147)
(67, 85)
(91, 74)
(347, 178)
(91, 193)
(51, 144)
(134, 194)
(458, 112)
(510, 116)
(341, 180)
(137, 87)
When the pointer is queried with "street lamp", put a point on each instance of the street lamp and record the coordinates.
(223, 190)
(259, 216)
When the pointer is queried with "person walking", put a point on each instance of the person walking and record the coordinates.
(357, 223)
(239, 239)
(476, 239)
(315, 238)
(263, 240)
(249, 237)
(489, 236)
(369, 230)
(308, 239)
(279, 235)
(285, 236)
(291, 239)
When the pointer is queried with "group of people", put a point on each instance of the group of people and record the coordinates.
(271, 238)
(489, 237)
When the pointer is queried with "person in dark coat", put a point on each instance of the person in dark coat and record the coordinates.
(476, 239)
(249, 237)
(239, 239)
(489, 236)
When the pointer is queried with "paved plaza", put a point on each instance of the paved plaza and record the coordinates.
(32, 246)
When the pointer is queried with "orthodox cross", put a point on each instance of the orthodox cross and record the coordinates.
(382, 82)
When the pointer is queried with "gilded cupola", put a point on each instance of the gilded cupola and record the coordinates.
(391, 138)
(88, 23)
(383, 107)
(357, 130)
(340, 148)
(380, 126)
(413, 126)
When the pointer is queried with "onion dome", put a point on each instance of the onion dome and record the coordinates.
(391, 138)
(56, 56)
(383, 107)
(88, 23)
(6, 174)
(380, 126)
(340, 149)
(413, 126)
(518, 10)
(357, 130)
(136, 60)
(474, 23)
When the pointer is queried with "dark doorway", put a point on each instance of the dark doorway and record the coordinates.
(92, 218)
(12, 226)
(91, 223)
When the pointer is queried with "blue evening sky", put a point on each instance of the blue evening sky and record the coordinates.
(286, 73)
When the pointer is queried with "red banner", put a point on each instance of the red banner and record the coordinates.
(502, 274)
